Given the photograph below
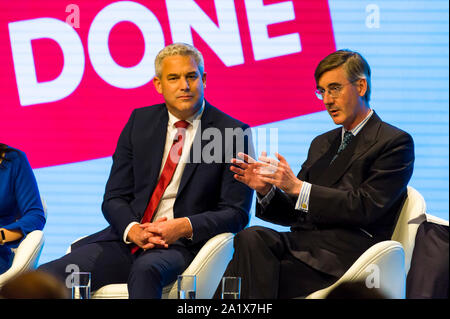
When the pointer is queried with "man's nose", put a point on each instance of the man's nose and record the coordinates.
(185, 84)
(327, 98)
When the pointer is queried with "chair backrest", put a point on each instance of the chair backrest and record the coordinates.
(411, 216)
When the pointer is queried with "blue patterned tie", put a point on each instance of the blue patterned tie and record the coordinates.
(348, 136)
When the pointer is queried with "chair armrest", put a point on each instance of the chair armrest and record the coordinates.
(209, 265)
(26, 255)
(384, 262)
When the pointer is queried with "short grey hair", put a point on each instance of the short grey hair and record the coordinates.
(183, 49)
(354, 65)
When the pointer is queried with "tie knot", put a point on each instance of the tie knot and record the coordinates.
(181, 124)
(348, 136)
(345, 141)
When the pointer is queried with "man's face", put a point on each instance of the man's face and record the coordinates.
(182, 85)
(347, 106)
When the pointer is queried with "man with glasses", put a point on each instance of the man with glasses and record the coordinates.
(346, 197)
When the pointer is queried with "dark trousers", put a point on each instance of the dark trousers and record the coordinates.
(146, 273)
(268, 270)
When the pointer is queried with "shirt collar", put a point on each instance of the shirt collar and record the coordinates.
(197, 116)
(358, 127)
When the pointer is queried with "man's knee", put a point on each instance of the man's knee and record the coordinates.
(146, 279)
(145, 268)
(159, 266)
(78, 260)
(59, 268)
(248, 235)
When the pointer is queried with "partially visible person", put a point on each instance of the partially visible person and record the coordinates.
(21, 210)
(34, 285)
(428, 276)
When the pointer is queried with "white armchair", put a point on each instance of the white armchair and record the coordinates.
(208, 265)
(26, 255)
(386, 264)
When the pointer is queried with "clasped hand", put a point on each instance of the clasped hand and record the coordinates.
(261, 175)
(160, 233)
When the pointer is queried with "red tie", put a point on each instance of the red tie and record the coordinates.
(166, 174)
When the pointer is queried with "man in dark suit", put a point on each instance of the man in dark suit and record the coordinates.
(346, 197)
(164, 197)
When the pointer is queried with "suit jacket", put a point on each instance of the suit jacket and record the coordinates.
(354, 201)
(208, 194)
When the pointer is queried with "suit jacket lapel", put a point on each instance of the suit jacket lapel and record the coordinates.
(325, 153)
(197, 146)
(339, 166)
(360, 145)
(153, 145)
(369, 136)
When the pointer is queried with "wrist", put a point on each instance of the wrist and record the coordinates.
(2, 237)
(187, 228)
(131, 235)
(297, 188)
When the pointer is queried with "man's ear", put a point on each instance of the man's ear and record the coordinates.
(157, 84)
(204, 79)
(362, 87)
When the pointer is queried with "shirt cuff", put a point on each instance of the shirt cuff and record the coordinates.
(125, 233)
(192, 236)
(303, 198)
(265, 200)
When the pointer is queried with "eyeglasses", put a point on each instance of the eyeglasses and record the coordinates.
(333, 90)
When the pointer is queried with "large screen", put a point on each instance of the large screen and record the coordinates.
(71, 72)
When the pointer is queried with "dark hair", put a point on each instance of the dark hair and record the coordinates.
(34, 284)
(354, 65)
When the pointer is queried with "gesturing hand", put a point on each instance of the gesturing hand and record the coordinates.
(245, 173)
(278, 174)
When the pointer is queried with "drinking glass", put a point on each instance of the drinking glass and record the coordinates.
(81, 285)
(231, 287)
(186, 287)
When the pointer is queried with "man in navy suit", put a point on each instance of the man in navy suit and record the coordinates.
(163, 198)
